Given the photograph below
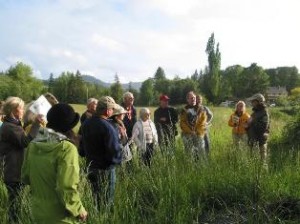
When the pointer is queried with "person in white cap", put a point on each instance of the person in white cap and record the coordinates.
(259, 125)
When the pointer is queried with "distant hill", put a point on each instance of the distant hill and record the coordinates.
(92, 79)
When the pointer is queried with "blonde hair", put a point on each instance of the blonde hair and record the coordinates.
(240, 103)
(12, 103)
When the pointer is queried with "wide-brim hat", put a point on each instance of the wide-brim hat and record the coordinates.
(107, 102)
(119, 110)
(62, 117)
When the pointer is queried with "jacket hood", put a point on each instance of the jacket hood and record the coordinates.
(49, 135)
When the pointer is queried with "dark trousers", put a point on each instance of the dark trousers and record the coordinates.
(147, 155)
(13, 190)
(103, 185)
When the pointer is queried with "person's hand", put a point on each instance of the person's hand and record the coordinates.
(163, 119)
(122, 131)
(40, 119)
(249, 121)
(83, 216)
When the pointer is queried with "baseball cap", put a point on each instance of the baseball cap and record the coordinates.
(164, 98)
(258, 96)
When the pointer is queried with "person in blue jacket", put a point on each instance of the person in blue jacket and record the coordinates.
(103, 151)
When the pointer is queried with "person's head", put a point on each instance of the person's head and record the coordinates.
(240, 107)
(62, 118)
(128, 99)
(257, 99)
(106, 106)
(14, 107)
(191, 98)
(51, 98)
(1, 110)
(119, 112)
(199, 99)
(145, 114)
(164, 101)
(92, 104)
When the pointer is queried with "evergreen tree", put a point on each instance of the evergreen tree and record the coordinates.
(146, 93)
(116, 89)
(214, 64)
(50, 83)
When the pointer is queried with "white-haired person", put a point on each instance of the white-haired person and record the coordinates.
(13, 141)
(91, 106)
(144, 134)
(239, 122)
(131, 116)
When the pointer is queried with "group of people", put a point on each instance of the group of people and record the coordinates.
(46, 154)
(252, 130)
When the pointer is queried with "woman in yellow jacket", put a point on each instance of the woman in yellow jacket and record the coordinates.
(193, 125)
(239, 123)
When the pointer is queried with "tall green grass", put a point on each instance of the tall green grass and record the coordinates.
(232, 187)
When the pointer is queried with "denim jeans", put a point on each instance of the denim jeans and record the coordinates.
(103, 185)
(195, 146)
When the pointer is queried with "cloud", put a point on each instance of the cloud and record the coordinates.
(133, 37)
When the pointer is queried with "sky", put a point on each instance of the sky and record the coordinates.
(132, 38)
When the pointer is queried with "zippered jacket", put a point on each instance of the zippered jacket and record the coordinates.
(51, 168)
(240, 126)
(193, 121)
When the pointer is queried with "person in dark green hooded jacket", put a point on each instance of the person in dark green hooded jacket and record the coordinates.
(51, 169)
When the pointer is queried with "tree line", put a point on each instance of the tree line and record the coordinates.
(216, 85)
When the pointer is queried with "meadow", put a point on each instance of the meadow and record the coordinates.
(232, 187)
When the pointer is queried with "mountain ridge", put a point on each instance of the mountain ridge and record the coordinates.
(92, 79)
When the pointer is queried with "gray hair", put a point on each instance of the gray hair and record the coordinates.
(12, 103)
(143, 111)
(127, 94)
(92, 100)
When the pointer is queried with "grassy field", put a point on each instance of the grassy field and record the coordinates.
(233, 187)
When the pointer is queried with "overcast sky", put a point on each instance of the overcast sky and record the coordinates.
(132, 38)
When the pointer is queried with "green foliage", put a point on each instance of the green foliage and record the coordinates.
(233, 187)
(291, 134)
(160, 74)
(284, 76)
(70, 88)
(146, 93)
(116, 90)
(254, 80)
(212, 78)
(18, 81)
